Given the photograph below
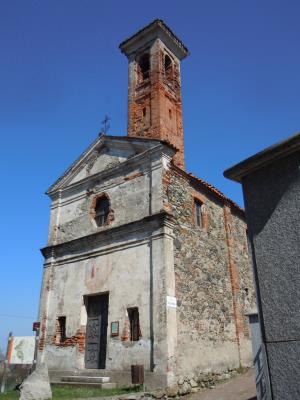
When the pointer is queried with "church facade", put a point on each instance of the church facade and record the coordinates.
(145, 264)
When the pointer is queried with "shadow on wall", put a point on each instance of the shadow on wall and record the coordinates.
(282, 176)
(260, 382)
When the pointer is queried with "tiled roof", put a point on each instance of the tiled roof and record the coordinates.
(189, 176)
(216, 192)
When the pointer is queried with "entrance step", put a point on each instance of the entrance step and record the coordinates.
(87, 385)
(122, 378)
(100, 382)
(84, 378)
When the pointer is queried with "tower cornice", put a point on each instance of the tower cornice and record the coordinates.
(156, 29)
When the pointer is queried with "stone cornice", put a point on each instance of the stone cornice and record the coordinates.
(129, 163)
(156, 29)
(79, 189)
(140, 144)
(106, 236)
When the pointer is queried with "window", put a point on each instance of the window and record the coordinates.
(101, 211)
(168, 67)
(144, 65)
(144, 112)
(198, 213)
(62, 329)
(135, 332)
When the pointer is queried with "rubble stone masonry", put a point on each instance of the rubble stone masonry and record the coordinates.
(214, 285)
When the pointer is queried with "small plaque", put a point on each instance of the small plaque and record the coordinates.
(171, 302)
(114, 328)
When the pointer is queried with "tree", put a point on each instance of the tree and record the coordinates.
(2, 356)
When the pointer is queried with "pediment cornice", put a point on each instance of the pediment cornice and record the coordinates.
(140, 146)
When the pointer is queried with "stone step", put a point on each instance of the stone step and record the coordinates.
(87, 385)
(89, 372)
(84, 378)
(122, 378)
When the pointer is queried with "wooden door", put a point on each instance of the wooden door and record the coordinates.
(96, 331)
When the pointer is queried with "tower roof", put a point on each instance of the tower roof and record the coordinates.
(156, 29)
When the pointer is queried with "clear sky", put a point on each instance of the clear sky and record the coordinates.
(61, 71)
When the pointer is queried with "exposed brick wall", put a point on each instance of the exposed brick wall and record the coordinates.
(92, 213)
(208, 265)
(154, 105)
(245, 295)
(10, 349)
(42, 340)
(76, 340)
(234, 277)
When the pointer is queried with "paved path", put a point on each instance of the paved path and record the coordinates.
(241, 387)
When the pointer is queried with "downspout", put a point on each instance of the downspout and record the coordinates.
(151, 273)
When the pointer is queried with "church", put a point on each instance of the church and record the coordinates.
(145, 263)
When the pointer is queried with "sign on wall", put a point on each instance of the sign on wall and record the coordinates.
(22, 350)
(114, 330)
(171, 302)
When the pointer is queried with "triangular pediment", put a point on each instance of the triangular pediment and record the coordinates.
(103, 154)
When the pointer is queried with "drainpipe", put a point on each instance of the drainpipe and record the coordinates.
(151, 272)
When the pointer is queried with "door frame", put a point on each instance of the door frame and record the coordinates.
(86, 304)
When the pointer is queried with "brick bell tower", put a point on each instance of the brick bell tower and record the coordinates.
(154, 88)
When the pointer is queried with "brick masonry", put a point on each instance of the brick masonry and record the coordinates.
(154, 104)
(76, 340)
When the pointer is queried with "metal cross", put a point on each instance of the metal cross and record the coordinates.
(106, 125)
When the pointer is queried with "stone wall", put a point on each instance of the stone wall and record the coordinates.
(213, 280)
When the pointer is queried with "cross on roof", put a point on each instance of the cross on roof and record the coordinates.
(105, 126)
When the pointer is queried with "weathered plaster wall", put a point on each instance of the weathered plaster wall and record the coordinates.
(129, 189)
(101, 160)
(136, 268)
(207, 333)
(117, 273)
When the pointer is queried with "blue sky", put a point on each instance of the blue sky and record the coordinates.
(61, 71)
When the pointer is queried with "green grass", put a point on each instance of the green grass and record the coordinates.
(10, 395)
(68, 393)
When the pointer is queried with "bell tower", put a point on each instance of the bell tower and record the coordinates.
(154, 88)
